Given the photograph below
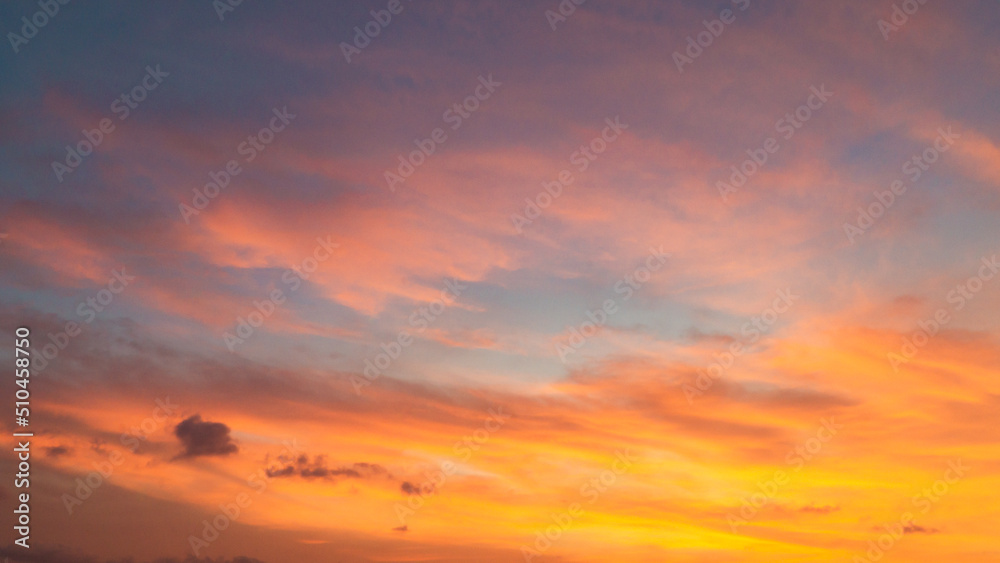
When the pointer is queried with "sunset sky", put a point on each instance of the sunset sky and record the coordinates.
(457, 281)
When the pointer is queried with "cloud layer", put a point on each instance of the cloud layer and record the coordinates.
(493, 346)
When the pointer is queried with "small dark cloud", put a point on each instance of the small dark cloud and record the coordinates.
(401, 529)
(318, 469)
(409, 488)
(57, 451)
(282, 472)
(204, 438)
(914, 529)
(819, 509)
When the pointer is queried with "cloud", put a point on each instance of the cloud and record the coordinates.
(914, 529)
(409, 488)
(317, 468)
(401, 529)
(56, 451)
(204, 438)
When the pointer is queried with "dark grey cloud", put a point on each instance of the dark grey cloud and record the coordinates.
(56, 451)
(317, 469)
(409, 488)
(201, 438)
